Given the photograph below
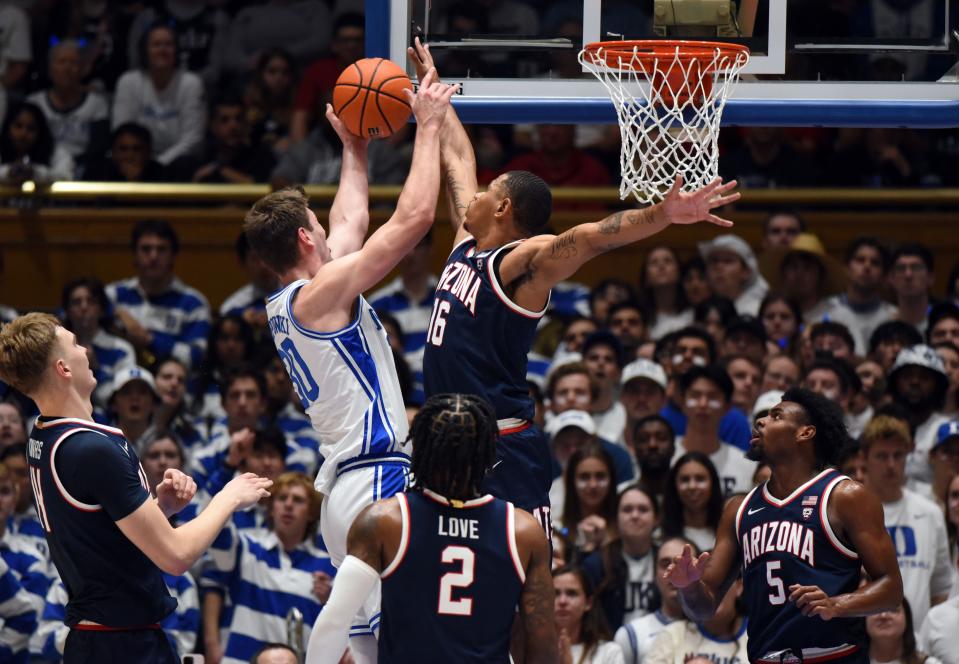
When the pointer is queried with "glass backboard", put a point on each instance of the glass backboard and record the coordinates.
(814, 62)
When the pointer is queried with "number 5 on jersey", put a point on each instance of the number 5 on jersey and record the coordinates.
(437, 327)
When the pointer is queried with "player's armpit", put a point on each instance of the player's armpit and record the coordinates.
(375, 534)
(537, 598)
(856, 516)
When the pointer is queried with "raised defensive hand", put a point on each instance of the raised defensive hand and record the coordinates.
(695, 206)
(431, 100)
(686, 570)
(348, 138)
(419, 54)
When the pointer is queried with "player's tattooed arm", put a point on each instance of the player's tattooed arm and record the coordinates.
(537, 599)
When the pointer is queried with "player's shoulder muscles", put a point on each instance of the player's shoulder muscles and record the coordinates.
(531, 541)
(722, 570)
(856, 518)
(375, 534)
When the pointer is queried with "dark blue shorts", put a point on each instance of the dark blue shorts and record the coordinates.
(522, 473)
(143, 646)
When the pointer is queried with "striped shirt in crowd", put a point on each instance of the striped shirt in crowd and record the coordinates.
(414, 318)
(262, 582)
(31, 568)
(180, 627)
(27, 524)
(18, 618)
(113, 354)
(179, 318)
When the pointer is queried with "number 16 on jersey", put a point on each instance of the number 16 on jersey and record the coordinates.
(437, 326)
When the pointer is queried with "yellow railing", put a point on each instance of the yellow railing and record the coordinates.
(121, 192)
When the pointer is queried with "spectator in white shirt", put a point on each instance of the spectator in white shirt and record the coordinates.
(892, 638)
(583, 635)
(15, 50)
(163, 98)
(911, 278)
(733, 272)
(805, 273)
(603, 357)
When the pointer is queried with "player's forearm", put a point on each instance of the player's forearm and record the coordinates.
(351, 203)
(882, 594)
(624, 227)
(192, 539)
(417, 202)
(698, 601)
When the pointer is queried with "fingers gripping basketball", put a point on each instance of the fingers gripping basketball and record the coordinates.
(369, 98)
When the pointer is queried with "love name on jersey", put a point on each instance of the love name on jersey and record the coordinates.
(772, 536)
(454, 526)
(462, 282)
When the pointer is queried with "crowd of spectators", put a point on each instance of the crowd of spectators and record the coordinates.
(647, 388)
(235, 92)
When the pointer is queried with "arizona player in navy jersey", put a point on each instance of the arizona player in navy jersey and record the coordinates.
(496, 287)
(799, 540)
(454, 563)
(108, 537)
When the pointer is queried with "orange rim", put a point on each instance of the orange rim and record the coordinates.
(621, 54)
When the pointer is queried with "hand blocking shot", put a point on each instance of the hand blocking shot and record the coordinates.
(803, 538)
(108, 537)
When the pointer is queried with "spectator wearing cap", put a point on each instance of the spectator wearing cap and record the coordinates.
(706, 393)
(861, 307)
(603, 356)
(911, 278)
(745, 335)
(804, 272)
(627, 320)
(781, 227)
(832, 339)
(732, 271)
(132, 403)
(944, 459)
(569, 432)
(161, 315)
(918, 384)
(949, 354)
(914, 522)
(642, 392)
(654, 445)
(888, 340)
(765, 402)
(745, 374)
(943, 324)
(681, 351)
(780, 372)
(13, 430)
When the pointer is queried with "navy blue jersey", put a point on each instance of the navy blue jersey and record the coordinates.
(478, 339)
(786, 542)
(85, 477)
(450, 594)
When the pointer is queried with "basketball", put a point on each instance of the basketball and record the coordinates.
(369, 99)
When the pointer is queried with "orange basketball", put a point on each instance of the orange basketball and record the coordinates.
(368, 97)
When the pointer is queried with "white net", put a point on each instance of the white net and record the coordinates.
(670, 104)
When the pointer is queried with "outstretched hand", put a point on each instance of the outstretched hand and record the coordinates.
(695, 206)
(419, 54)
(430, 102)
(686, 570)
(348, 138)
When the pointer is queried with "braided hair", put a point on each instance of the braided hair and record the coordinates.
(454, 445)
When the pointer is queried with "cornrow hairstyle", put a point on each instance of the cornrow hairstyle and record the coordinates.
(454, 445)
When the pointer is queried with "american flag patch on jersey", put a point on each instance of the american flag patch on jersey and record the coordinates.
(810, 500)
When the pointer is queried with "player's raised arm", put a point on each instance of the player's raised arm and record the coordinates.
(704, 581)
(537, 600)
(350, 213)
(456, 150)
(859, 515)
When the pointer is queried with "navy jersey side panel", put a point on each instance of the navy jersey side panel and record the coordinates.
(84, 478)
(452, 596)
(786, 542)
(478, 339)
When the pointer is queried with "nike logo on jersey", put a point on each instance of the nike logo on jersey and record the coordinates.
(751, 512)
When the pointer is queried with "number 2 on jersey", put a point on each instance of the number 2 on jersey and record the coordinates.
(462, 579)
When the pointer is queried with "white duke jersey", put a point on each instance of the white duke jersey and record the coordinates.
(347, 382)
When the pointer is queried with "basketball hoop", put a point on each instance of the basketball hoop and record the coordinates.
(669, 96)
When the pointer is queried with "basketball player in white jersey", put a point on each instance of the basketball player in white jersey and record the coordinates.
(331, 342)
